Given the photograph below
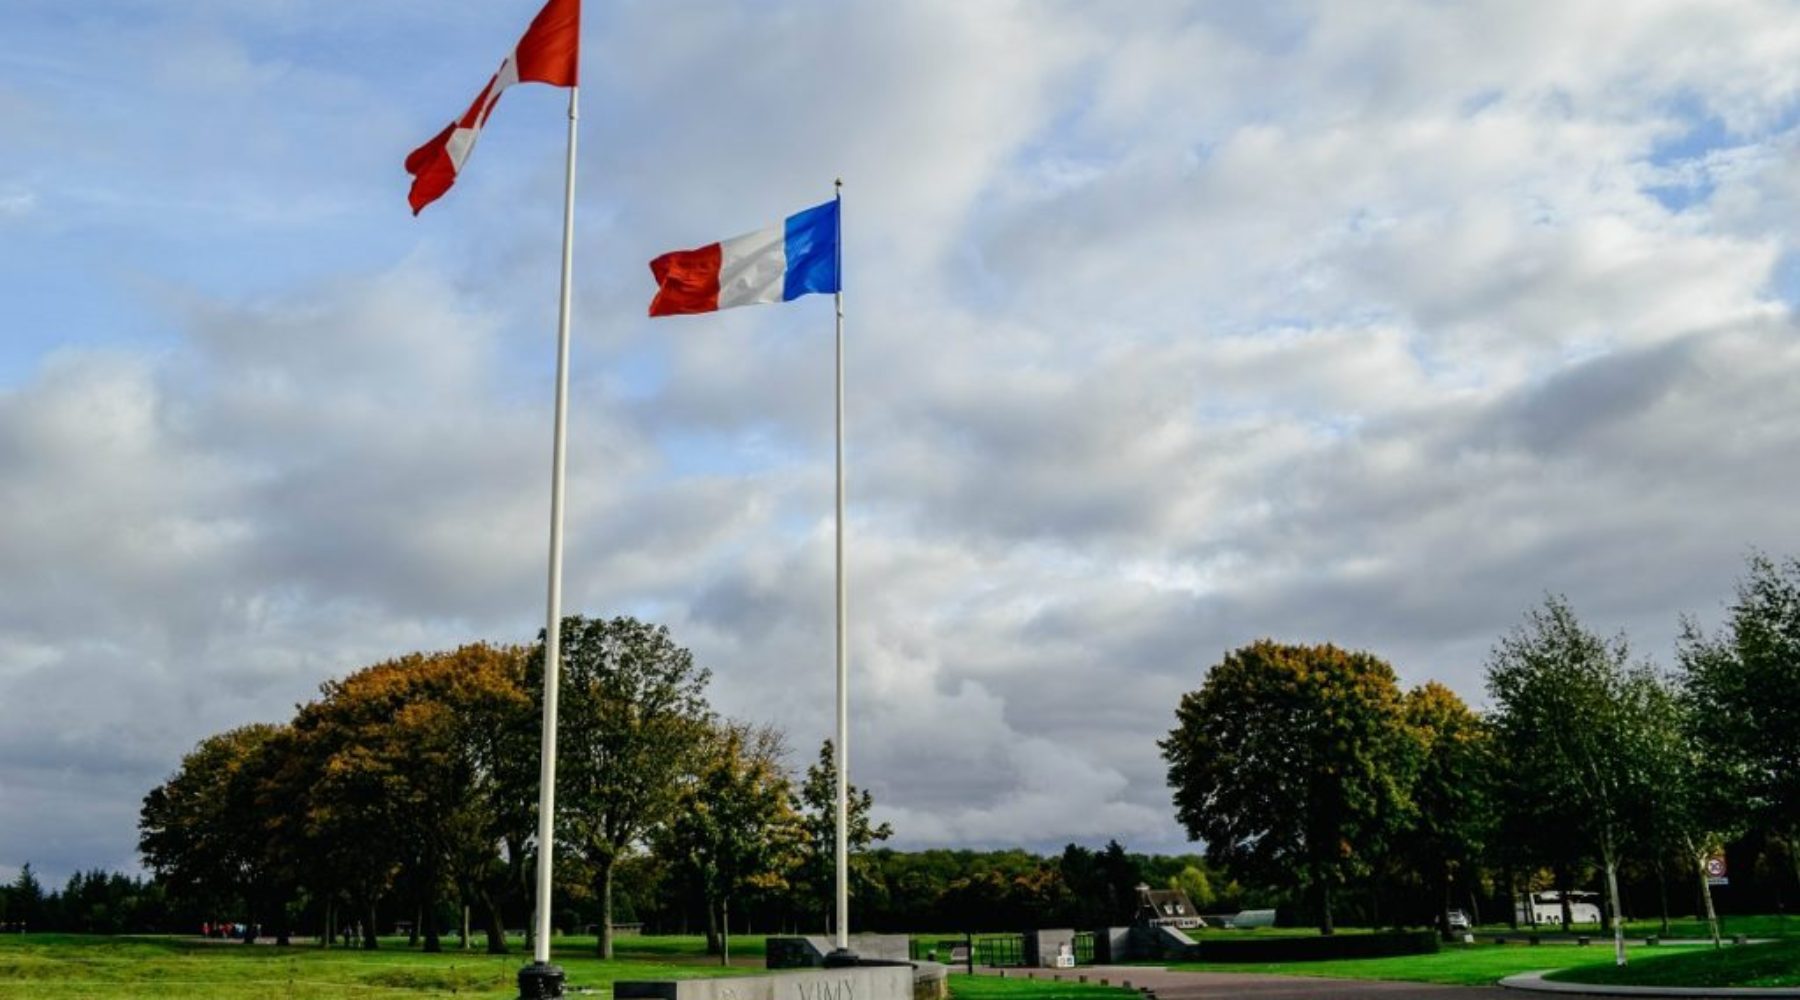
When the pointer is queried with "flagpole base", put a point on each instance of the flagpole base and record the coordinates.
(540, 981)
(838, 958)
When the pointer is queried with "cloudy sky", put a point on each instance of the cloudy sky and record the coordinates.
(1171, 326)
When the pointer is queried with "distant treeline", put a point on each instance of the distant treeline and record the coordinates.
(407, 793)
(92, 902)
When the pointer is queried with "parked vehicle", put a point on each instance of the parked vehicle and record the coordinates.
(1459, 921)
(1545, 908)
(1246, 919)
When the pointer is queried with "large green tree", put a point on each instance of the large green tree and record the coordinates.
(1289, 762)
(633, 721)
(1698, 808)
(816, 802)
(202, 831)
(1744, 688)
(1452, 791)
(736, 828)
(1580, 724)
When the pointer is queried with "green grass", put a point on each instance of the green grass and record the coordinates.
(73, 966)
(1757, 926)
(1773, 964)
(966, 987)
(1457, 965)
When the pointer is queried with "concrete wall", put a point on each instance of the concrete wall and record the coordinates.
(931, 981)
(857, 982)
(1112, 944)
(1041, 947)
(809, 952)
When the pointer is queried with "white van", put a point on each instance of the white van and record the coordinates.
(1545, 908)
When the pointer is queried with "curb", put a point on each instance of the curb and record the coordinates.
(1536, 983)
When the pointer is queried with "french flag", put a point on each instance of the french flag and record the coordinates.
(792, 258)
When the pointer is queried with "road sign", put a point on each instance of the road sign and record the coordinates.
(1715, 871)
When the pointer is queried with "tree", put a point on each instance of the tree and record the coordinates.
(202, 832)
(1285, 763)
(1193, 881)
(736, 827)
(353, 798)
(1744, 686)
(1698, 808)
(1581, 726)
(633, 712)
(488, 823)
(817, 805)
(1451, 791)
(25, 898)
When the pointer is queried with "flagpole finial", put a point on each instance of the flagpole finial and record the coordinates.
(838, 183)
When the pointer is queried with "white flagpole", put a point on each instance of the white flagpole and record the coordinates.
(548, 981)
(843, 688)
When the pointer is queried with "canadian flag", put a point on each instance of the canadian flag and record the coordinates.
(549, 53)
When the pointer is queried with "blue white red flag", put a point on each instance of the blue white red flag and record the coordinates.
(795, 257)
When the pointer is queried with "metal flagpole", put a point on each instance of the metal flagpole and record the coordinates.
(540, 978)
(843, 687)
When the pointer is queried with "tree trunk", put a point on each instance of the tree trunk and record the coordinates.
(605, 877)
(282, 936)
(1612, 891)
(1325, 908)
(1562, 892)
(1662, 894)
(1474, 909)
(465, 927)
(1792, 844)
(428, 916)
(1512, 898)
(369, 940)
(496, 925)
(1712, 917)
(330, 923)
(712, 923)
(724, 932)
(1444, 906)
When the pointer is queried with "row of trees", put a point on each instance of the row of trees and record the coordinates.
(91, 902)
(1307, 768)
(665, 892)
(411, 786)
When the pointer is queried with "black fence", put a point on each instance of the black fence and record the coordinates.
(1000, 951)
(992, 950)
(1084, 948)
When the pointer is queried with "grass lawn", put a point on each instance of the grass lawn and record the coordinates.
(1773, 964)
(74, 966)
(1466, 965)
(1758, 926)
(966, 987)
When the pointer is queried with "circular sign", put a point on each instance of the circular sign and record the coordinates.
(1715, 867)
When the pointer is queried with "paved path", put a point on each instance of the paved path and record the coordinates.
(1535, 981)
(1220, 985)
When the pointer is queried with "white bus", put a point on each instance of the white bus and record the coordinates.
(1541, 908)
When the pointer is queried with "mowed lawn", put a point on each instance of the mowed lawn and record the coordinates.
(966, 987)
(74, 966)
(1466, 965)
(1776, 963)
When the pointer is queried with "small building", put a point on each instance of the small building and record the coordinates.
(1166, 908)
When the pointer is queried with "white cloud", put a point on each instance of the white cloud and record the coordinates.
(1169, 327)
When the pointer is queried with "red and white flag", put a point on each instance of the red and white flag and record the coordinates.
(549, 53)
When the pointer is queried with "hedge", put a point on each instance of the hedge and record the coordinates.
(1316, 949)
